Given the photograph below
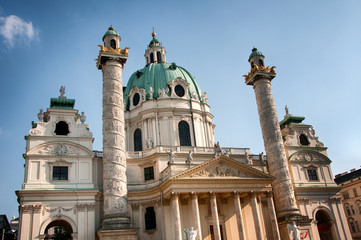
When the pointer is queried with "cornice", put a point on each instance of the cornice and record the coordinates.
(317, 189)
(56, 192)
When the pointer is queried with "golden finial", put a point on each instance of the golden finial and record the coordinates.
(153, 33)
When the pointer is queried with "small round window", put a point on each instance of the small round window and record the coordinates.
(136, 99)
(179, 90)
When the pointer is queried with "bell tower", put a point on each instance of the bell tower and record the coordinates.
(116, 220)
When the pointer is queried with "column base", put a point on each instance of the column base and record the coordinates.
(115, 222)
(303, 223)
(118, 234)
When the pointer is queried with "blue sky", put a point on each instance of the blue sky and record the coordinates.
(314, 44)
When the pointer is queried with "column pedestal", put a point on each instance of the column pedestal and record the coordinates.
(119, 234)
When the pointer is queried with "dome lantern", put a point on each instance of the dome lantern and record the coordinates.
(155, 53)
(256, 57)
(111, 38)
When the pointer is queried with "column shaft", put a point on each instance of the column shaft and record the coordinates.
(257, 221)
(114, 158)
(237, 205)
(197, 220)
(276, 156)
(215, 219)
(176, 214)
(273, 217)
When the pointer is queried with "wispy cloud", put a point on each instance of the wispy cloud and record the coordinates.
(14, 29)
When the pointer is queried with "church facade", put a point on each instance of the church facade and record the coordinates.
(161, 175)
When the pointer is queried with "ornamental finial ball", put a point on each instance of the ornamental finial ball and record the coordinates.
(153, 33)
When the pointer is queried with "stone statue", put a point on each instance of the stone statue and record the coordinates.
(144, 95)
(190, 234)
(217, 149)
(261, 157)
(194, 95)
(286, 109)
(62, 92)
(171, 157)
(189, 158)
(313, 132)
(82, 118)
(204, 97)
(151, 91)
(248, 159)
(41, 115)
(163, 92)
(149, 143)
(296, 232)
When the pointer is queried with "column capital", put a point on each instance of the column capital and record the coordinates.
(194, 195)
(252, 194)
(175, 195)
(269, 194)
(213, 194)
(236, 194)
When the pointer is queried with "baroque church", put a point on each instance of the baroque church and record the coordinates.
(161, 175)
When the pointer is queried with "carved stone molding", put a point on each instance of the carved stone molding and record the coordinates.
(59, 209)
(85, 206)
(304, 200)
(335, 200)
(31, 208)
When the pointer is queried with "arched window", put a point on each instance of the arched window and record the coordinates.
(61, 128)
(149, 217)
(151, 58)
(113, 44)
(184, 133)
(138, 140)
(303, 140)
(159, 57)
(261, 63)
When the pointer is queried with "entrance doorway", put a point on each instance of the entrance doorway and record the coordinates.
(59, 230)
(324, 225)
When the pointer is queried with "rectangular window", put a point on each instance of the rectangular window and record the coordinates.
(355, 192)
(312, 174)
(345, 195)
(148, 173)
(60, 173)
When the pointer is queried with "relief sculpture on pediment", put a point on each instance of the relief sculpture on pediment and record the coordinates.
(219, 171)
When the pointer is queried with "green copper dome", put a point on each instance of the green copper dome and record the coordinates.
(157, 76)
(255, 52)
(154, 41)
(110, 31)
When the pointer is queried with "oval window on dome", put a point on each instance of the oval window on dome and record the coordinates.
(179, 90)
(136, 99)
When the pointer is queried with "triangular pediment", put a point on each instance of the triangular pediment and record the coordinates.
(223, 168)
